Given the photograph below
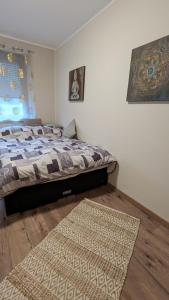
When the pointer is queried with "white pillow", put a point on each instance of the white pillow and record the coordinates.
(70, 130)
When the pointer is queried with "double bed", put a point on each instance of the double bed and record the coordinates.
(38, 165)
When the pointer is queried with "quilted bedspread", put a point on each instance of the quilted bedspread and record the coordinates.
(36, 159)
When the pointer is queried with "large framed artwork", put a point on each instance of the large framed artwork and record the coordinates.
(76, 84)
(149, 72)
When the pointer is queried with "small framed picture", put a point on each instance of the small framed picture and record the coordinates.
(76, 84)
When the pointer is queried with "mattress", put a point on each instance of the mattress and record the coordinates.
(31, 159)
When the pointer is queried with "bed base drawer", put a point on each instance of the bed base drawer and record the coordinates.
(31, 197)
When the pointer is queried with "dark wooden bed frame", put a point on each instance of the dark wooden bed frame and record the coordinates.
(33, 196)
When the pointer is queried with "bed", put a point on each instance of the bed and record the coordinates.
(38, 165)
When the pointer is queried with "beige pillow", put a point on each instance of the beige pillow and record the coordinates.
(70, 130)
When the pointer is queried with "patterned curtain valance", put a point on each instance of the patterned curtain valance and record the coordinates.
(16, 86)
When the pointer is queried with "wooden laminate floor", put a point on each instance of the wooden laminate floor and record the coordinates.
(148, 274)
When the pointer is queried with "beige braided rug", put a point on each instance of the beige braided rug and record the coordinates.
(85, 257)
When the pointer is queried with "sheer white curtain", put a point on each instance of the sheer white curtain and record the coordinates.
(16, 86)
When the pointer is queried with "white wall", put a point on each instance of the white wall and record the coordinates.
(43, 69)
(137, 134)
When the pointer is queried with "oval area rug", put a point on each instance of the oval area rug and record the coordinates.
(85, 256)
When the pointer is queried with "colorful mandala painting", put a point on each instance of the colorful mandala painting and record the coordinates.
(149, 72)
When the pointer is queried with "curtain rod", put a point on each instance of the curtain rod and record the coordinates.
(15, 49)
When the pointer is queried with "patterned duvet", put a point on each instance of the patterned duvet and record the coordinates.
(28, 160)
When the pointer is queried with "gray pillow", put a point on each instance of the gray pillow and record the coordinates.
(70, 130)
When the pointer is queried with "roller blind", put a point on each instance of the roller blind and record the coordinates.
(16, 86)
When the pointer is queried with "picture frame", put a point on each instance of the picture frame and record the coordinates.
(77, 84)
(149, 73)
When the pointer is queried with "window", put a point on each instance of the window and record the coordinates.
(16, 90)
